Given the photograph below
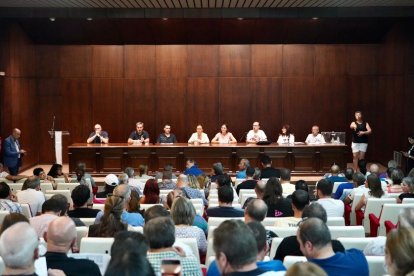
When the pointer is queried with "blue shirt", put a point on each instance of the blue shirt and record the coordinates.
(133, 219)
(241, 174)
(274, 265)
(350, 262)
(194, 170)
(336, 178)
(341, 189)
(201, 223)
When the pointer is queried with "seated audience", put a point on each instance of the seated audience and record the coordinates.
(315, 242)
(259, 233)
(300, 199)
(258, 190)
(193, 181)
(80, 196)
(373, 169)
(333, 207)
(278, 206)
(60, 238)
(287, 187)
(167, 183)
(375, 191)
(111, 181)
(225, 208)
(129, 255)
(133, 205)
(151, 193)
(407, 187)
(64, 206)
(160, 232)
(167, 167)
(335, 175)
(391, 165)
(360, 187)
(50, 211)
(249, 183)
(397, 176)
(6, 175)
(84, 177)
(236, 249)
(290, 246)
(134, 183)
(216, 171)
(399, 252)
(56, 172)
(40, 172)
(11, 219)
(143, 172)
(183, 214)
(190, 193)
(243, 165)
(302, 185)
(8, 201)
(110, 223)
(305, 269)
(191, 168)
(225, 179)
(32, 195)
(268, 171)
(349, 173)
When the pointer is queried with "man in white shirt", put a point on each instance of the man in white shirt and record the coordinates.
(32, 195)
(288, 188)
(333, 207)
(50, 211)
(315, 137)
(256, 134)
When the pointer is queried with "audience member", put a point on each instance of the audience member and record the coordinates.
(391, 164)
(60, 238)
(86, 177)
(315, 242)
(6, 175)
(373, 169)
(111, 181)
(183, 214)
(80, 196)
(225, 208)
(50, 211)
(56, 172)
(110, 223)
(40, 172)
(407, 186)
(190, 193)
(399, 252)
(302, 185)
(191, 168)
(11, 219)
(151, 193)
(83, 180)
(249, 183)
(243, 165)
(64, 207)
(290, 245)
(134, 184)
(167, 183)
(8, 201)
(335, 175)
(32, 195)
(278, 206)
(216, 171)
(375, 191)
(155, 212)
(333, 207)
(360, 187)
(160, 232)
(305, 269)
(397, 176)
(129, 255)
(268, 171)
(349, 173)
(300, 199)
(143, 172)
(287, 187)
(133, 204)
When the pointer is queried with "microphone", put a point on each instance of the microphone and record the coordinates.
(52, 130)
(244, 135)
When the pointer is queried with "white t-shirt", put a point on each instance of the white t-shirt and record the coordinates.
(194, 138)
(318, 139)
(3, 174)
(41, 223)
(287, 222)
(258, 136)
(288, 188)
(284, 139)
(333, 207)
(32, 197)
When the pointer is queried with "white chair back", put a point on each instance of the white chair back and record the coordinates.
(283, 232)
(147, 206)
(165, 192)
(347, 231)
(358, 243)
(391, 212)
(357, 197)
(407, 200)
(275, 244)
(66, 193)
(98, 206)
(26, 210)
(81, 232)
(45, 186)
(374, 206)
(216, 221)
(192, 243)
(291, 260)
(14, 187)
(244, 194)
(376, 265)
(67, 186)
(88, 221)
(96, 245)
(60, 180)
(335, 221)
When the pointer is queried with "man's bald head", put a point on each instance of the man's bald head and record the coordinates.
(374, 168)
(61, 234)
(123, 191)
(182, 181)
(16, 133)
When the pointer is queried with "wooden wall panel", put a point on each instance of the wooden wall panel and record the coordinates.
(171, 61)
(22, 54)
(267, 60)
(267, 105)
(76, 61)
(107, 61)
(362, 59)
(235, 60)
(235, 101)
(330, 60)
(202, 105)
(298, 60)
(203, 60)
(139, 105)
(47, 61)
(139, 61)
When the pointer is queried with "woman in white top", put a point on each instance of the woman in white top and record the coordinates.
(285, 137)
(375, 191)
(224, 137)
(199, 137)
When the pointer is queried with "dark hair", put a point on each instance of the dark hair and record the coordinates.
(167, 174)
(218, 168)
(111, 221)
(250, 171)
(284, 174)
(80, 195)
(315, 210)
(315, 231)
(63, 203)
(133, 205)
(131, 241)
(11, 219)
(349, 172)
(397, 176)
(142, 169)
(151, 192)
(54, 169)
(38, 171)
(300, 199)
(362, 166)
(223, 180)
(51, 205)
(265, 159)
(273, 191)
(256, 209)
(236, 241)
(259, 233)
(225, 194)
(374, 184)
(324, 186)
(287, 127)
(302, 185)
(155, 212)
(4, 190)
(160, 232)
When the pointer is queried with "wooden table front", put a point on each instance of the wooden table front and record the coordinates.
(115, 157)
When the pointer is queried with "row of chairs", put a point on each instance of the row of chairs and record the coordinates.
(216, 221)
(45, 186)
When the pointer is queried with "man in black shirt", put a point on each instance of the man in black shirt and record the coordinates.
(80, 196)
(225, 208)
(167, 137)
(139, 136)
(249, 183)
(268, 171)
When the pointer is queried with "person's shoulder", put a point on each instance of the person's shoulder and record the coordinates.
(84, 263)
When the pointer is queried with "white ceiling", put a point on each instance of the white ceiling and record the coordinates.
(201, 3)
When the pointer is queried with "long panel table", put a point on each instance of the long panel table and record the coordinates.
(101, 159)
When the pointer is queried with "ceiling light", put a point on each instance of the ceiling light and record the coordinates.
(52, 19)
(240, 18)
(315, 18)
(165, 18)
(89, 18)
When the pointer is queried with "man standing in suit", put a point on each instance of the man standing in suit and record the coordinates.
(13, 153)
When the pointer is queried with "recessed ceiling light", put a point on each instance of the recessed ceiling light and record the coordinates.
(240, 18)
(315, 18)
(52, 19)
(89, 18)
(165, 18)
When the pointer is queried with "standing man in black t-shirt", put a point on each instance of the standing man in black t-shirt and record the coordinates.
(139, 135)
(98, 136)
(360, 132)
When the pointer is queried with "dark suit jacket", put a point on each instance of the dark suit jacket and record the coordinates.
(11, 155)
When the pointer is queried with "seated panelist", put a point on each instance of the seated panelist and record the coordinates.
(224, 136)
(167, 137)
(256, 134)
(98, 136)
(285, 137)
(139, 135)
(315, 137)
(199, 137)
